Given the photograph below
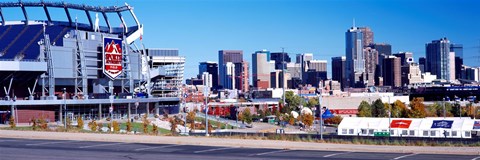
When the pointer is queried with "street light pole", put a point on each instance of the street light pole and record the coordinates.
(65, 108)
(321, 114)
(444, 111)
(389, 117)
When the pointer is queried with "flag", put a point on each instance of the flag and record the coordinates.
(476, 125)
(442, 124)
(400, 123)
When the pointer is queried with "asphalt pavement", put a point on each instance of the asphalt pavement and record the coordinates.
(39, 149)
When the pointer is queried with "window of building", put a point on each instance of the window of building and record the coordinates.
(392, 132)
(344, 131)
(454, 133)
(350, 131)
(404, 132)
(467, 134)
(412, 132)
(364, 131)
(447, 133)
(370, 131)
(425, 133)
(433, 133)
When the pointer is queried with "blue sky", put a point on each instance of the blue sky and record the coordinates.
(199, 28)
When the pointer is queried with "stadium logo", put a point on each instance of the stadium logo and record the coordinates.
(112, 57)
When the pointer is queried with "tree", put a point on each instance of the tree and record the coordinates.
(155, 129)
(364, 110)
(80, 122)
(399, 110)
(293, 101)
(34, 123)
(116, 127)
(378, 109)
(93, 125)
(191, 119)
(173, 125)
(247, 116)
(307, 119)
(334, 120)
(311, 102)
(129, 126)
(417, 108)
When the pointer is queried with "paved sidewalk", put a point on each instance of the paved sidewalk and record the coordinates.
(247, 143)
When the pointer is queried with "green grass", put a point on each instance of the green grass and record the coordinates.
(22, 128)
(214, 123)
(139, 128)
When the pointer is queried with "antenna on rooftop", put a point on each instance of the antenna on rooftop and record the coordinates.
(353, 23)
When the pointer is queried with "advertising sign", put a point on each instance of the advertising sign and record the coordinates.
(442, 124)
(112, 57)
(476, 125)
(400, 123)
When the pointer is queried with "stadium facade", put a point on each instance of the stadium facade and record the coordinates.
(50, 67)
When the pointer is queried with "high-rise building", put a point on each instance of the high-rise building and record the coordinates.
(279, 60)
(371, 62)
(367, 36)
(440, 60)
(318, 65)
(405, 57)
(338, 70)
(207, 79)
(212, 69)
(261, 69)
(294, 69)
(382, 48)
(411, 74)
(241, 78)
(458, 49)
(229, 78)
(422, 63)
(277, 80)
(471, 73)
(355, 59)
(392, 71)
(303, 60)
(225, 56)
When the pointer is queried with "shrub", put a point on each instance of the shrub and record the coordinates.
(116, 127)
(129, 126)
(173, 126)
(80, 122)
(12, 122)
(34, 123)
(99, 127)
(42, 122)
(145, 124)
(334, 120)
(69, 123)
(155, 129)
(165, 113)
(247, 116)
(92, 125)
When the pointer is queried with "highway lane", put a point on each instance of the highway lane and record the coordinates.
(65, 149)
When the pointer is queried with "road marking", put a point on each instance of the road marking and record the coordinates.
(36, 144)
(98, 145)
(476, 158)
(265, 153)
(9, 140)
(215, 149)
(330, 155)
(147, 148)
(408, 155)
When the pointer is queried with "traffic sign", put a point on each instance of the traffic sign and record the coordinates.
(110, 109)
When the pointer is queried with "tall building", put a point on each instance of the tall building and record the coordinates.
(294, 69)
(440, 60)
(405, 57)
(212, 69)
(225, 56)
(392, 71)
(367, 36)
(303, 60)
(261, 69)
(371, 62)
(382, 48)
(355, 59)
(471, 73)
(411, 74)
(241, 78)
(229, 78)
(173, 65)
(338, 70)
(277, 57)
(422, 63)
(458, 49)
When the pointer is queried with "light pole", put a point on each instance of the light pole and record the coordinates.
(444, 111)
(321, 114)
(389, 117)
(206, 92)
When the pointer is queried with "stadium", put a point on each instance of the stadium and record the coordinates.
(54, 68)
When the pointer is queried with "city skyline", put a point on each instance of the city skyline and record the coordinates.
(205, 27)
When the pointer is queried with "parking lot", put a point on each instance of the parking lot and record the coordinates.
(67, 149)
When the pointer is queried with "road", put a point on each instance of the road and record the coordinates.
(39, 149)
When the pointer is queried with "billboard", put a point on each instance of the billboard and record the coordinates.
(476, 125)
(112, 57)
(400, 123)
(442, 124)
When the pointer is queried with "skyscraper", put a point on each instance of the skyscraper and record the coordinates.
(224, 56)
(229, 78)
(422, 63)
(212, 69)
(261, 69)
(382, 48)
(277, 57)
(440, 60)
(367, 36)
(392, 71)
(371, 62)
(338, 70)
(303, 60)
(405, 57)
(458, 49)
(241, 76)
(355, 59)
